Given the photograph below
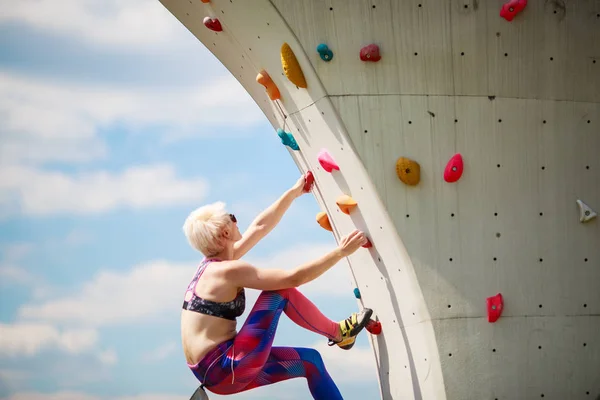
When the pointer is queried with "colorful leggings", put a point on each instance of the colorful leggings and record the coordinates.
(249, 360)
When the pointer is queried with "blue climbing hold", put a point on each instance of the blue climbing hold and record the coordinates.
(288, 139)
(357, 293)
(325, 53)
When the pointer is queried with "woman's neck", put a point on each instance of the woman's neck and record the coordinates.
(225, 255)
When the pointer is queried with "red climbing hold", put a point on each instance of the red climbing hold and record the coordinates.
(206, 1)
(374, 327)
(368, 245)
(495, 304)
(309, 179)
(370, 53)
(213, 24)
(512, 8)
(326, 161)
(454, 169)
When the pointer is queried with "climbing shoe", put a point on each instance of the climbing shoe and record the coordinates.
(351, 327)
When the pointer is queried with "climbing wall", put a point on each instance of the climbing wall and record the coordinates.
(463, 136)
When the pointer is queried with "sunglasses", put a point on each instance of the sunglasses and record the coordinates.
(233, 218)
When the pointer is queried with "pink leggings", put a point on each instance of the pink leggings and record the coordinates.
(249, 360)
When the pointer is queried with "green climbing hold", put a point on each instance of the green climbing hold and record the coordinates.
(288, 139)
(325, 52)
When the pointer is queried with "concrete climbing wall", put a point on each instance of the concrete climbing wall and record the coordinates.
(519, 100)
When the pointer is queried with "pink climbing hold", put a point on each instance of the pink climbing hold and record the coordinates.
(495, 304)
(327, 161)
(454, 169)
(309, 179)
(213, 24)
(370, 53)
(512, 8)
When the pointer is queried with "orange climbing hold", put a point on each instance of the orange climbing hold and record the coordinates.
(346, 204)
(291, 66)
(408, 171)
(265, 79)
(323, 220)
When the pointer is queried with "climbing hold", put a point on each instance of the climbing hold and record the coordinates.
(323, 220)
(206, 1)
(356, 293)
(374, 327)
(408, 171)
(288, 139)
(495, 304)
(264, 79)
(309, 179)
(367, 245)
(454, 169)
(213, 24)
(585, 212)
(325, 53)
(370, 53)
(512, 8)
(291, 67)
(326, 161)
(346, 203)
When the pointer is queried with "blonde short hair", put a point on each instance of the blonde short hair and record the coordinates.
(203, 228)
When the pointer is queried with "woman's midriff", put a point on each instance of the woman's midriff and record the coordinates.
(201, 333)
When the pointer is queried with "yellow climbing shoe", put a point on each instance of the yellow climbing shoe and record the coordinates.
(351, 327)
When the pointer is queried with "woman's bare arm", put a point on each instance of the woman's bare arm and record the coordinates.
(267, 220)
(243, 274)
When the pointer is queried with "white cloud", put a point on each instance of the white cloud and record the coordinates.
(118, 23)
(100, 301)
(11, 274)
(44, 121)
(355, 365)
(108, 357)
(40, 192)
(31, 338)
(161, 352)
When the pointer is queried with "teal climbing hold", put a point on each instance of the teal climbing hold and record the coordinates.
(288, 139)
(325, 52)
(356, 293)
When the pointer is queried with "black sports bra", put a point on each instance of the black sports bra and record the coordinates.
(229, 310)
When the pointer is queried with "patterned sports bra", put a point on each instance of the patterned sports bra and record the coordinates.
(229, 310)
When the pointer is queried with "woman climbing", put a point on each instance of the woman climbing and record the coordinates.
(226, 361)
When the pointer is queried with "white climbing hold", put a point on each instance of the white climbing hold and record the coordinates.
(585, 212)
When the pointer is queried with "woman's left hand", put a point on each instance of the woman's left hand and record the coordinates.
(299, 187)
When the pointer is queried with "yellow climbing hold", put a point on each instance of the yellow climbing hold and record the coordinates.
(346, 203)
(409, 171)
(323, 220)
(291, 67)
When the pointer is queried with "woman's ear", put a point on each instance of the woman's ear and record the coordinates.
(226, 233)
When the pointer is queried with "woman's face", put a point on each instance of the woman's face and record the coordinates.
(237, 235)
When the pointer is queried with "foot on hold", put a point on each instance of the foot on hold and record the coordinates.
(351, 327)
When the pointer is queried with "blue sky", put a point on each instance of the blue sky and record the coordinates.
(116, 123)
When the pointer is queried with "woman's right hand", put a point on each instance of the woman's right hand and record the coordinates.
(351, 242)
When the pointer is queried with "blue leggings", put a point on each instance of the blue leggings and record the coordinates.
(249, 360)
